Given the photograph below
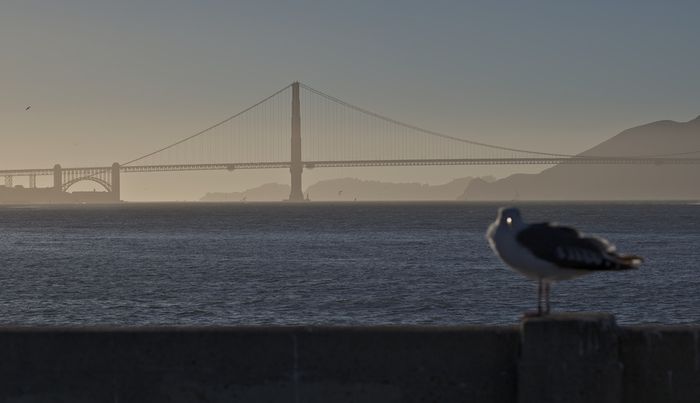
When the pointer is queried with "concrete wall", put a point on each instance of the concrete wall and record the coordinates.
(662, 363)
(287, 364)
(560, 358)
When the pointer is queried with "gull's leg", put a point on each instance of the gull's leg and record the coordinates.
(539, 296)
(546, 297)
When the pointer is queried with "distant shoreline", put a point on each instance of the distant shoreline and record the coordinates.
(365, 202)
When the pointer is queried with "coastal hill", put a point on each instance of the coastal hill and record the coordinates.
(611, 182)
(267, 192)
(349, 189)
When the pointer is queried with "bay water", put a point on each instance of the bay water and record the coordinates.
(326, 263)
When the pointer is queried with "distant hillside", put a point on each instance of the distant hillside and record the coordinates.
(611, 182)
(349, 189)
(267, 192)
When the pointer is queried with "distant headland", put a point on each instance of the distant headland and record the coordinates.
(611, 182)
(561, 182)
(353, 189)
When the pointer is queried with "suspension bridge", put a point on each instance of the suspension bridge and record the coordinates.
(335, 133)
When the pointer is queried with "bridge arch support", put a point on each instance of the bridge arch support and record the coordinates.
(107, 177)
(106, 185)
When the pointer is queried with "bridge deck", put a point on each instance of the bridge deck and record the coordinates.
(363, 163)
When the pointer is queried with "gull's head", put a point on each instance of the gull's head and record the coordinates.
(508, 223)
(509, 217)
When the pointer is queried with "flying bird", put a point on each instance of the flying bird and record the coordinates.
(547, 252)
(28, 108)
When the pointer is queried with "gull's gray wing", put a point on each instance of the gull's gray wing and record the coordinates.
(567, 248)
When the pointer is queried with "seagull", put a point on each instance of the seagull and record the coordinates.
(547, 252)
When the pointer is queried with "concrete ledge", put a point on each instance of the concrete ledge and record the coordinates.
(572, 358)
(662, 363)
(563, 358)
(278, 364)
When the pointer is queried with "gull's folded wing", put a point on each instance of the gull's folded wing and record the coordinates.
(567, 248)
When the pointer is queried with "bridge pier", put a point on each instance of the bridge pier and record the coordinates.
(296, 166)
(57, 178)
(116, 185)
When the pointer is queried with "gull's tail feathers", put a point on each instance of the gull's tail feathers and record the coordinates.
(627, 262)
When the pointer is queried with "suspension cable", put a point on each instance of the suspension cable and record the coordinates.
(199, 133)
(389, 120)
(492, 146)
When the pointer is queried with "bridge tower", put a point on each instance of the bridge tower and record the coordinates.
(296, 166)
(57, 178)
(116, 185)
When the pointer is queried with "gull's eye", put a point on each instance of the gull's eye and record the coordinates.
(509, 220)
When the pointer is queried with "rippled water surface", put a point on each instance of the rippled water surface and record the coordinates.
(359, 263)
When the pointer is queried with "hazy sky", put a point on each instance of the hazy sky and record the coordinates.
(110, 80)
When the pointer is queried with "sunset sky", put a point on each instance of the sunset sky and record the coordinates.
(110, 80)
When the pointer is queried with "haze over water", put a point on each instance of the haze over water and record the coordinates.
(354, 263)
(108, 81)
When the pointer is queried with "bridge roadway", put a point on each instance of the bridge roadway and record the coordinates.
(364, 163)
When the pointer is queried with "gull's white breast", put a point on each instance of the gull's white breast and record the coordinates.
(503, 241)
